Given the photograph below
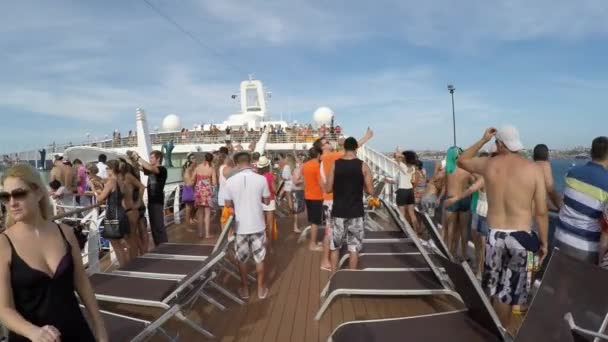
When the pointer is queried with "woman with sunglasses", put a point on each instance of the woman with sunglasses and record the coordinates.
(40, 268)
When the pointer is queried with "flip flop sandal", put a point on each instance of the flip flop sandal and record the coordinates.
(264, 293)
(243, 295)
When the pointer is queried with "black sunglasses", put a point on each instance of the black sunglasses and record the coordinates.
(17, 194)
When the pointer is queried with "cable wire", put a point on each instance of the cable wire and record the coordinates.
(222, 58)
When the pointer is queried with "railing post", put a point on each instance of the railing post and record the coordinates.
(176, 214)
(93, 243)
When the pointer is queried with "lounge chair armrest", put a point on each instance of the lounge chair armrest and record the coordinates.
(576, 329)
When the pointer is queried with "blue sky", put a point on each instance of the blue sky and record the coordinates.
(72, 67)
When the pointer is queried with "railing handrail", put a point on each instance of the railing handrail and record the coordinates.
(204, 137)
(75, 212)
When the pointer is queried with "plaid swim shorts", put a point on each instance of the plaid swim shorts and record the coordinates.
(350, 230)
(247, 244)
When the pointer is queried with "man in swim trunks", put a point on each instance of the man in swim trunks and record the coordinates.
(516, 193)
(456, 212)
(328, 158)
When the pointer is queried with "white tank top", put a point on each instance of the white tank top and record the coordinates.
(405, 176)
(221, 197)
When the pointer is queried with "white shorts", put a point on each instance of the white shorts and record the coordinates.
(288, 185)
(272, 206)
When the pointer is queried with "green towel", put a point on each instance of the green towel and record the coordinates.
(474, 199)
(450, 158)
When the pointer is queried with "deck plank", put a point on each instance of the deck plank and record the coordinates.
(312, 326)
(288, 318)
(299, 318)
(326, 321)
(295, 282)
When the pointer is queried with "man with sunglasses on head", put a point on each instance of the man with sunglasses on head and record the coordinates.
(516, 195)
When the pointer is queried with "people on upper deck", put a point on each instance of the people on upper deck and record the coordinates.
(41, 269)
(516, 194)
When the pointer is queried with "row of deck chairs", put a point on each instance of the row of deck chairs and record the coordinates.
(395, 266)
(571, 293)
(172, 277)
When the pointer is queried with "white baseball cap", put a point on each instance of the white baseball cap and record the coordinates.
(509, 136)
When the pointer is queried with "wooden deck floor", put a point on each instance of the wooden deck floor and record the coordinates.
(295, 282)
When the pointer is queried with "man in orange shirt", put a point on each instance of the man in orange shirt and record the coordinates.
(328, 158)
(313, 195)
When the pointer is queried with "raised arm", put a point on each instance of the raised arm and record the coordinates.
(467, 159)
(541, 212)
(134, 156)
(368, 135)
(84, 288)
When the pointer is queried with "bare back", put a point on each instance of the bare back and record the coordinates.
(511, 182)
(457, 182)
(57, 174)
(68, 178)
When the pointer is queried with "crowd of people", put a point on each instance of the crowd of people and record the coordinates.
(500, 200)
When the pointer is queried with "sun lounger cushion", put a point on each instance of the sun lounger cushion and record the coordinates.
(384, 280)
(392, 261)
(162, 266)
(453, 327)
(131, 287)
(183, 249)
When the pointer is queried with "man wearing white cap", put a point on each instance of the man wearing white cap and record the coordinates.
(516, 194)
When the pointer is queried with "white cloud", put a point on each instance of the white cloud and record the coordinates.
(444, 24)
(97, 63)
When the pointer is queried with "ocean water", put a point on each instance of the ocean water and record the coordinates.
(559, 167)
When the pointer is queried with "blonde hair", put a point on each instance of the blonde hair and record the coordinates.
(29, 175)
(92, 168)
(291, 161)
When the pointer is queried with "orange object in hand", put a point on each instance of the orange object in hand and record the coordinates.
(226, 213)
(373, 202)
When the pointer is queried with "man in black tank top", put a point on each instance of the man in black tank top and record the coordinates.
(348, 179)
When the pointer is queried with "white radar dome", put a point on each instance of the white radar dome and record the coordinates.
(323, 115)
(171, 123)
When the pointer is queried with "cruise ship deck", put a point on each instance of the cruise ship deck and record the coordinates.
(287, 314)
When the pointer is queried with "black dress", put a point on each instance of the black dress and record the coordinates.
(44, 300)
